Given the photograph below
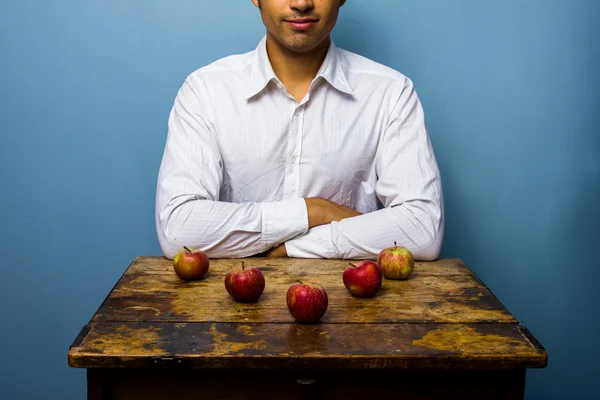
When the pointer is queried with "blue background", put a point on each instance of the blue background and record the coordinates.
(510, 90)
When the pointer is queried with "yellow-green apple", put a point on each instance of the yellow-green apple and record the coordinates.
(246, 284)
(307, 302)
(396, 262)
(363, 279)
(190, 264)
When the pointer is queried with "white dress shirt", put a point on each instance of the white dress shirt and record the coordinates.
(242, 154)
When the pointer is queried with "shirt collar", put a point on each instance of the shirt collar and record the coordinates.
(332, 70)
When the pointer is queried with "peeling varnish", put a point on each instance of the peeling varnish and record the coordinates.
(246, 330)
(467, 340)
(222, 346)
(455, 312)
(156, 310)
(131, 341)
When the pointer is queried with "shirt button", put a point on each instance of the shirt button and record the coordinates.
(293, 159)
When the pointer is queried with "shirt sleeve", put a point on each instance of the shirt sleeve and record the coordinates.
(188, 210)
(409, 186)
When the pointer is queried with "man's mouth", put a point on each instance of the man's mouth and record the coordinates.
(302, 24)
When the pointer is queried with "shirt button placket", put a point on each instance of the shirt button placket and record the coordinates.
(291, 187)
(296, 154)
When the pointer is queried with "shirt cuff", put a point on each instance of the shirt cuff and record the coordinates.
(282, 220)
(316, 243)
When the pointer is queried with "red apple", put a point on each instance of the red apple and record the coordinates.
(190, 264)
(363, 279)
(396, 262)
(307, 302)
(245, 285)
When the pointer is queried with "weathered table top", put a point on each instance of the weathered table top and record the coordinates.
(443, 316)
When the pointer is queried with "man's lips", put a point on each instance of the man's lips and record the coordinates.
(302, 24)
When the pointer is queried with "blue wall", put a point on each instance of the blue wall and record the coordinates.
(510, 89)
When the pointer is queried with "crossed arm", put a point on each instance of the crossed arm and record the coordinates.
(189, 213)
(320, 212)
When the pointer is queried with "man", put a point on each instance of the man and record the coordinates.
(298, 149)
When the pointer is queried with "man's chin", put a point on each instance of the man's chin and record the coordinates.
(301, 46)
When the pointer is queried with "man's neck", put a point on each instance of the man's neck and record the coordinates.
(296, 70)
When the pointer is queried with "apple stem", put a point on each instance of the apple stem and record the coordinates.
(352, 265)
(242, 265)
(395, 245)
(185, 247)
(298, 280)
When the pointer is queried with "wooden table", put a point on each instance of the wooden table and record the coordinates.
(439, 334)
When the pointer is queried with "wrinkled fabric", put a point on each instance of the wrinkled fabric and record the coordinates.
(242, 154)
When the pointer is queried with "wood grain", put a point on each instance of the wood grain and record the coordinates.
(442, 317)
(436, 292)
(161, 265)
(293, 346)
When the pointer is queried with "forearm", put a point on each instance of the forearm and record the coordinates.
(418, 227)
(188, 210)
(322, 211)
(229, 230)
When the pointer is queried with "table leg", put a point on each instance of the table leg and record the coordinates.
(515, 386)
(95, 384)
